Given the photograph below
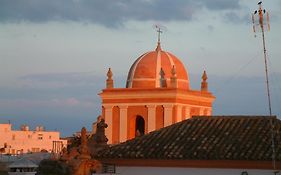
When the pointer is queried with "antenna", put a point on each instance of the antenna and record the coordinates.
(260, 19)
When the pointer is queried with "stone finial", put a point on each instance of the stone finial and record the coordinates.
(83, 136)
(173, 71)
(204, 83)
(79, 159)
(100, 137)
(162, 73)
(173, 80)
(109, 80)
(163, 82)
(84, 151)
(98, 141)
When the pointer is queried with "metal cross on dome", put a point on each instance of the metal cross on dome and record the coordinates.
(159, 31)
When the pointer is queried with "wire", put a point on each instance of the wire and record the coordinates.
(237, 74)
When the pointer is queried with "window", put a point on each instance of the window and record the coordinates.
(40, 136)
(13, 137)
(140, 123)
(29, 136)
(20, 151)
(50, 137)
(34, 150)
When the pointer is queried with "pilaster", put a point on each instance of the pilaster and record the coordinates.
(179, 113)
(201, 111)
(209, 112)
(123, 136)
(187, 112)
(108, 120)
(151, 110)
(168, 114)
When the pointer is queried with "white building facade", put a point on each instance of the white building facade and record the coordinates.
(26, 141)
(191, 171)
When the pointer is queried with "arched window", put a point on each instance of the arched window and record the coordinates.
(140, 127)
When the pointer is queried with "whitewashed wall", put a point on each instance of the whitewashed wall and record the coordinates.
(187, 171)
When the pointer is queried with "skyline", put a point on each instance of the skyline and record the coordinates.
(54, 61)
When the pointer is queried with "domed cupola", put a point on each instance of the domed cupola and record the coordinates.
(157, 69)
(157, 95)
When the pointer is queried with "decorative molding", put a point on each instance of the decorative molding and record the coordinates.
(123, 106)
(156, 104)
(108, 106)
(151, 106)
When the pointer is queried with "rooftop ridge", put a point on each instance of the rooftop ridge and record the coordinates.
(236, 116)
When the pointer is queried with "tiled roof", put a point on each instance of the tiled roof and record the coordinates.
(205, 138)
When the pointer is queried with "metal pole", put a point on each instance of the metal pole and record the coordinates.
(267, 86)
(266, 72)
(269, 103)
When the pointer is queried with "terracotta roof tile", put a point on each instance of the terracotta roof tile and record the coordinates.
(205, 138)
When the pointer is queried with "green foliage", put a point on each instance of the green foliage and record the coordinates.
(3, 169)
(53, 167)
(75, 141)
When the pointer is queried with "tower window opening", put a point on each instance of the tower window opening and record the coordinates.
(139, 126)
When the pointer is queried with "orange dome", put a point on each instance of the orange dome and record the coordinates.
(145, 72)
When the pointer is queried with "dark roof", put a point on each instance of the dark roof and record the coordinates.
(23, 163)
(205, 138)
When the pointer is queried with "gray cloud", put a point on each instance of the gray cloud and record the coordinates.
(210, 28)
(107, 12)
(61, 80)
(245, 95)
(59, 86)
(220, 4)
(63, 101)
(237, 17)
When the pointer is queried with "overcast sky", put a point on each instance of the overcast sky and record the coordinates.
(54, 54)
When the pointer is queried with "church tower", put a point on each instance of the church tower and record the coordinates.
(157, 94)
